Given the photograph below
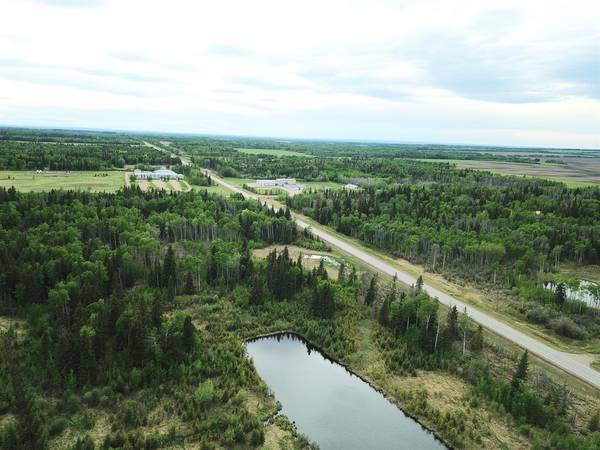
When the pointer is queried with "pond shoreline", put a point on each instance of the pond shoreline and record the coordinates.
(348, 369)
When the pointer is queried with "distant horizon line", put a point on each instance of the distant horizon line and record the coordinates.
(288, 138)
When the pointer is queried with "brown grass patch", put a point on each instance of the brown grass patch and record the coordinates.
(295, 251)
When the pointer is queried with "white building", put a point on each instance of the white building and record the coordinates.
(350, 186)
(159, 174)
(278, 182)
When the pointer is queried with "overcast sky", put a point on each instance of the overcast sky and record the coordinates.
(503, 72)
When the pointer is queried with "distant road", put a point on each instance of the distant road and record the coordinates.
(184, 159)
(568, 362)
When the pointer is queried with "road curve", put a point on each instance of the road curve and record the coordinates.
(565, 361)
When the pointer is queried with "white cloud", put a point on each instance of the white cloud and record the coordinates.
(498, 72)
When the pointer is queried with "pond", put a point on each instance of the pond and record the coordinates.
(329, 404)
(587, 292)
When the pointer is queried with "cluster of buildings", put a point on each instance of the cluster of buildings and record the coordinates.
(281, 182)
(289, 184)
(159, 174)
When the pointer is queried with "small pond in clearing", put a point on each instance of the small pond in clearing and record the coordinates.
(329, 404)
(584, 293)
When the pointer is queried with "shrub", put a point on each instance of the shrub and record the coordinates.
(131, 414)
(566, 327)
(540, 314)
(57, 426)
(257, 438)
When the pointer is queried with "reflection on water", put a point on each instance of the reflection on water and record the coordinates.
(333, 407)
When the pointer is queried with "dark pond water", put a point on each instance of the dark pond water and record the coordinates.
(333, 407)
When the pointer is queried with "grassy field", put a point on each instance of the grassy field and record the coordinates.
(171, 185)
(322, 185)
(590, 273)
(577, 172)
(29, 181)
(213, 190)
(272, 152)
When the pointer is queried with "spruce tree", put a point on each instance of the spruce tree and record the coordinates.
(452, 323)
(169, 268)
(419, 285)
(520, 375)
(342, 273)
(189, 334)
(477, 341)
(560, 295)
(372, 291)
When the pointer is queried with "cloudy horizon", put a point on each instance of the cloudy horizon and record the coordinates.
(481, 73)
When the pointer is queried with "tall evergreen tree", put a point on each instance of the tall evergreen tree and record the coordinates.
(342, 273)
(560, 295)
(419, 285)
(520, 375)
(169, 268)
(371, 295)
(189, 334)
(477, 341)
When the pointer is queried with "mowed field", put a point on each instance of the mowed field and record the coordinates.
(272, 152)
(171, 185)
(29, 181)
(577, 172)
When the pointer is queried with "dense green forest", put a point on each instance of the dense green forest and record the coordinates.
(123, 316)
(136, 302)
(503, 232)
(94, 276)
(228, 145)
(86, 156)
(66, 136)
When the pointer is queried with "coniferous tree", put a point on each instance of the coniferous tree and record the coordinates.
(189, 284)
(384, 312)
(169, 274)
(560, 295)
(352, 278)
(30, 431)
(189, 334)
(246, 264)
(342, 273)
(371, 295)
(452, 324)
(520, 375)
(257, 291)
(477, 341)
(419, 285)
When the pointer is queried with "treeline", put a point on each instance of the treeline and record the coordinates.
(60, 156)
(501, 233)
(65, 136)
(227, 146)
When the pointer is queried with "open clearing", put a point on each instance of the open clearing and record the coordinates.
(310, 260)
(29, 181)
(577, 172)
(171, 185)
(175, 185)
(271, 152)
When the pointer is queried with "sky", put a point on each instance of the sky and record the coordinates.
(516, 73)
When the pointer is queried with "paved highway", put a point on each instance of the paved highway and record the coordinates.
(568, 362)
